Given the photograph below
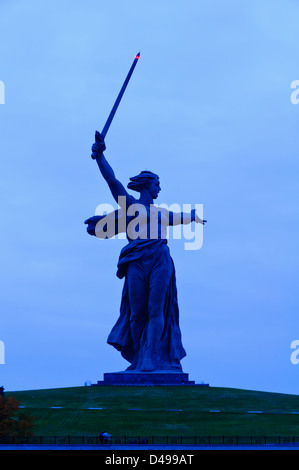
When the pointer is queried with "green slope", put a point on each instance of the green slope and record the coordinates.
(160, 411)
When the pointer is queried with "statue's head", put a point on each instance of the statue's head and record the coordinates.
(146, 180)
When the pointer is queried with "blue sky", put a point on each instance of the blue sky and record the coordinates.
(208, 108)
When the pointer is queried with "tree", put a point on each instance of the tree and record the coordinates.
(12, 423)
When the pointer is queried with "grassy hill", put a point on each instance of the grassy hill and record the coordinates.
(160, 411)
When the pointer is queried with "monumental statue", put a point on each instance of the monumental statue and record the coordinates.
(147, 332)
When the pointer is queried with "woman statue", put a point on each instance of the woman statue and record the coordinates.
(147, 331)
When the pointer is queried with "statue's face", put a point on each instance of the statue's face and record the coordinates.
(154, 189)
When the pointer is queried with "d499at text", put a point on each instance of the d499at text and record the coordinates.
(152, 459)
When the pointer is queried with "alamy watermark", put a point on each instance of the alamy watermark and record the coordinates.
(295, 94)
(295, 354)
(2, 353)
(157, 221)
(2, 92)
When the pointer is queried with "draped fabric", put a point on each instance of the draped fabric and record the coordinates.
(154, 266)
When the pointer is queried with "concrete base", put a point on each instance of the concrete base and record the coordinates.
(146, 378)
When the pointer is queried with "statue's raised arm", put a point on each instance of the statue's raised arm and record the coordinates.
(116, 187)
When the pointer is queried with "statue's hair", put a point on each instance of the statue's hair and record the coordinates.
(138, 182)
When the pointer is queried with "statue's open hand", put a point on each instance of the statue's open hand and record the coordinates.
(99, 145)
(197, 219)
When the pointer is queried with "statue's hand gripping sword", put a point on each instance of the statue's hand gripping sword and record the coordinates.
(118, 100)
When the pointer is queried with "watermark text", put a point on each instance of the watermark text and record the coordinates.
(2, 353)
(2, 92)
(295, 94)
(295, 354)
(156, 221)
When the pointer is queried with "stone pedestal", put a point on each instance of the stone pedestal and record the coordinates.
(146, 378)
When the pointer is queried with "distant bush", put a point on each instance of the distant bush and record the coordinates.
(12, 423)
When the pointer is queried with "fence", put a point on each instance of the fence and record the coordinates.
(154, 440)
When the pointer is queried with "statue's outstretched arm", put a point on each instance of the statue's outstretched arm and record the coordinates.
(116, 187)
(177, 218)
